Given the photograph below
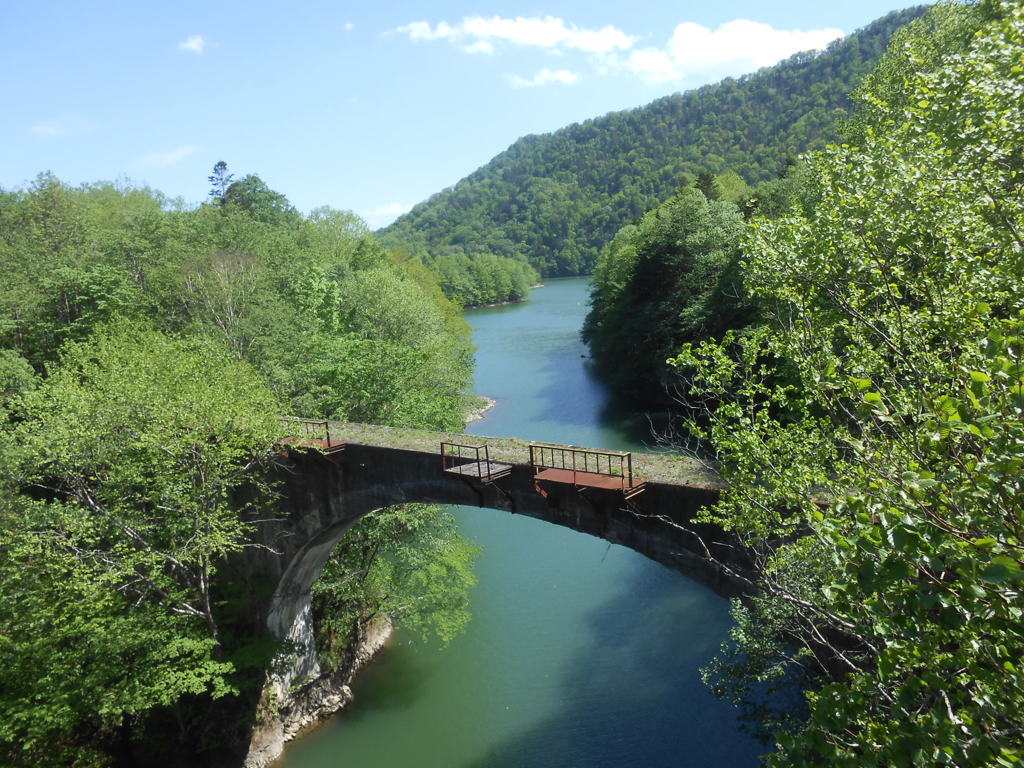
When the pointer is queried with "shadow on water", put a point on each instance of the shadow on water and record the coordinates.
(407, 675)
(576, 396)
(661, 713)
(642, 428)
(572, 393)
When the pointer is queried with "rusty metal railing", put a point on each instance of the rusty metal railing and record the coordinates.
(583, 460)
(311, 429)
(456, 454)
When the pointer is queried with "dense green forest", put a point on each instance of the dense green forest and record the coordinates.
(866, 413)
(674, 277)
(483, 279)
(555, 200)
(146, 352)
(668, 279)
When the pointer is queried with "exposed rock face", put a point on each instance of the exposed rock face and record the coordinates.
(286, 713)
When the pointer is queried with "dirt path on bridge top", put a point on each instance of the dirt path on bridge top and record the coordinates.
(659, 468)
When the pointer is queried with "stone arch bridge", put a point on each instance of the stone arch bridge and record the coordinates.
(333, 474)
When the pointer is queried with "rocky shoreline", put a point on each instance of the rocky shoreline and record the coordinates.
(327, 695)
(302, 710)
(480, 410)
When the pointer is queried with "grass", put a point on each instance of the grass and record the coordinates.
(661, 468)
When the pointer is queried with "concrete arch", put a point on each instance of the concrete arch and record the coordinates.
(325, 495)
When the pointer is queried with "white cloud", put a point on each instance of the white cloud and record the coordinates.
(481, 34)
(544, 77)
(193, 44)
(480, 46)
(64, 125)
(654, 64)
(168, 157)
(737, 46)
(742, 44)
(49, 129)
(383, 215)
(349, 26)
(421, 30)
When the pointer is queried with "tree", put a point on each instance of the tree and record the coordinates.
(732, 187)
(706, 185)
(16, 378)
(876, 429)
(668, 280)
(118, 513)
(253, 196)
(407, 564)
(220, 180)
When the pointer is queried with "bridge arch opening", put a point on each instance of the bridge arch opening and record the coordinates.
(327, 493)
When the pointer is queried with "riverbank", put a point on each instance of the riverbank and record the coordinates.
(306, 709)
(504, 303)
(480, 407)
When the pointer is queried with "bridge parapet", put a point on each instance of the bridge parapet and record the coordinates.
(310, 433)
(472, 461)
(585, 467)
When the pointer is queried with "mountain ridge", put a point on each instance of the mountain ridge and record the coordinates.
(555, 199)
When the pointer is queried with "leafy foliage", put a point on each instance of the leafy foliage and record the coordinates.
(895, 439)
(473, 281)
(555, 200)
(277, 289)
(146, 350)
(671, 278)
(675, 278)
(422, 583)
(129, 452)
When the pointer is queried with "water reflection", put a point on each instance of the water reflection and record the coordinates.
(617, 708)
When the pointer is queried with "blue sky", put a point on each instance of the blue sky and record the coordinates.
(361, 106)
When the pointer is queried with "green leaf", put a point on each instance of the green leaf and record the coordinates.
(1001, 569)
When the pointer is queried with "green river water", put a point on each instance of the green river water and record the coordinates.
(579, 653)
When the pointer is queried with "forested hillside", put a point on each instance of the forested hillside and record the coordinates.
(555, 200)
(146, 352)
(474, 281)
(674, 277)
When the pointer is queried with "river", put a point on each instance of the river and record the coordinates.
(580, 654)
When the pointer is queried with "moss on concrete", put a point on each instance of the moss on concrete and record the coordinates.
(663, 468)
